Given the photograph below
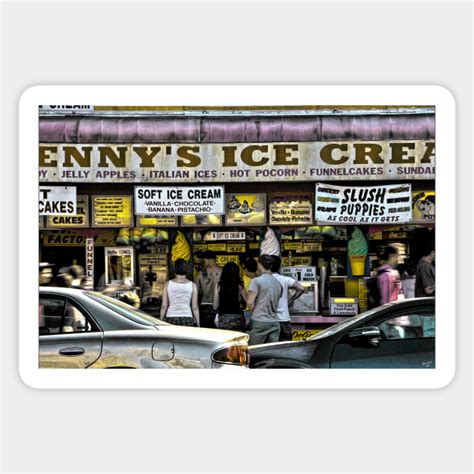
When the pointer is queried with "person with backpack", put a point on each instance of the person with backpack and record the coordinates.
(388, 278)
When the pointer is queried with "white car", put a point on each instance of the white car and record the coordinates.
(83, 329)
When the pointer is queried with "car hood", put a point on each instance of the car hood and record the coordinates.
(203, 334)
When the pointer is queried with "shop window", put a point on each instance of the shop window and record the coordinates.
(409, 326)
(57, 316)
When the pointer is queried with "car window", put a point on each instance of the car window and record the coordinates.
(125, 309)
(50, 315)
(416, 325)
(59, 316)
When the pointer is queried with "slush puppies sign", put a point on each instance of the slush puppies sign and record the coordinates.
(363, 205)
(165, 201)
(57, 200)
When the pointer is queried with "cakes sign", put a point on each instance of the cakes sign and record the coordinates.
(363, 205)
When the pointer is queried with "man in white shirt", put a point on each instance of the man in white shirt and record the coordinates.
(283, 312)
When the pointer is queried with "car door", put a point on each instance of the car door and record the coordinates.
(68, 338)
(407, 340)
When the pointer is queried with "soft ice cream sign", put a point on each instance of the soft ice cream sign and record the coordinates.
(363, 205)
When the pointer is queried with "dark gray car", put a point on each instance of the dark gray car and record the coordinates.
(393, 336)
(84, 329)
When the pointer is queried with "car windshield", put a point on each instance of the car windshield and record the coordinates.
(124, 309)
(342, 325)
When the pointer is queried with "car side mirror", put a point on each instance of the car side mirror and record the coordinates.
(368, 336)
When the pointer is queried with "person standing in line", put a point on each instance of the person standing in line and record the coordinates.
(283, 312)
(408, 280)
(249, 267)
(180, 298)
(388, 278)
(230, 299)
(263, 297)
(425, 274)
(205, 287)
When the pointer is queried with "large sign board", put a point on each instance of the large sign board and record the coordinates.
(183, 200)
(57, 200)
(363, 205)
(208, 162)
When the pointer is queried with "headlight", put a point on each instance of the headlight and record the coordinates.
(236, 355)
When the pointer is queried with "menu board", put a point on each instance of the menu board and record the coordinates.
(423, 207)
(158, 221)
(290, 209)
(202, 220)
(246, 209)
(80, 219)
(112, 211)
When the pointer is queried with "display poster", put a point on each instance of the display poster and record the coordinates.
(236, 248)
(152, 276)
(229, 162)
(80, 219)
(344, 306)
(221, 260)
(225, 235)
(290, 209)
(296, 261)
(57, 200)
(199, 247)
(119, 265)
(201, 220)
(246, 209)
(158, 221)
(423, 207)
(112, 211)
(312, 246)
(292, 245)
(183, 200)
(363, 205)
(299, 273)
(217, 247)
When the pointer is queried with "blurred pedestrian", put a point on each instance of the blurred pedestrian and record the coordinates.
(263, 298)
(286, 300)
(180, 298)
(205, 286)
(388, 278)
(45, 273)
(230, 299)
(409, 279)
(425, 273)
(77, 273)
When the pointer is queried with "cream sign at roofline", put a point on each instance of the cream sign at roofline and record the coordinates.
(178, 163)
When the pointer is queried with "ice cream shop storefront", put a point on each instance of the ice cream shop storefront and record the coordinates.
(327, 190)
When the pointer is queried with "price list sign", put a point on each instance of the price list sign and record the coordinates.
(112, 211)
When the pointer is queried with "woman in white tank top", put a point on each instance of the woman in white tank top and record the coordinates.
(180, 298)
